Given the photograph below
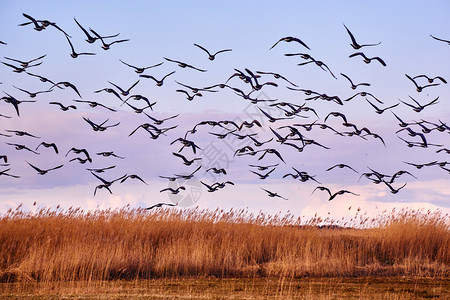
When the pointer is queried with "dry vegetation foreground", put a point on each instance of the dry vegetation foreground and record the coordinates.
(222, 251)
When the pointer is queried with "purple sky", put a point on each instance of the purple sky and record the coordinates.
(169, 30)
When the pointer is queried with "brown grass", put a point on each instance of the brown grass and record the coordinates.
(76, 245)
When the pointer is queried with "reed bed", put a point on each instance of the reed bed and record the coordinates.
(75, 245)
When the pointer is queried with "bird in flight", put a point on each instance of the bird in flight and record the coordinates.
(90, 39)
(332, 196)
(418, 87)
(160, 205)
(43, 172)
(211, 56)
(272, 194)
(441, 40)
(354, 44)
(140, 70)
(289, 39)
(173, 191)
(75, 54)
(354, 86)
(367, 60)
(184, 65)
(158, 82)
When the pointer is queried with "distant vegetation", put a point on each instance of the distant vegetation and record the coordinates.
(71, 245)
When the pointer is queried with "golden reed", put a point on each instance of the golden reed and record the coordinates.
(71, 245)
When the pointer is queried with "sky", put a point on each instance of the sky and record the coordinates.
(169, 29)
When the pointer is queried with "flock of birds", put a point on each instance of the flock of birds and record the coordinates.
(287, 135)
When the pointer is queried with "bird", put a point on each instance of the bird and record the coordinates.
(62, 106)
(42, 78)
(217, 171)
(368, 60)
(140, 70)
(43, 172)
(186, 143)
(184, 65)
(133, 176)
(354, 44)
(150, 128)
(75, 54)
(33, 94)
(379, 110)
(189, 176)
(90, 39)
(14, 102)
(402, 123)
(94, 104)
(289, 39)
(106, 46)
(21, 133)
(186, 161)
(122, 91)
(160, 121)
(138, 97)
(6, 174)
(341, 166)
(221, 185)
(110, 91)
(419, 107)
(158, 82)
(173, 191)
(212, 56)
(78, 151)
(262, 168)
(160, 205)
(354, 86)
(272, 194)
(273, 119)
(418, 87)
(68, 84)
(364, 94)
(99, 127)
(263, 176)
(108, 154)
(20, 69)
(420, 166)
(244, 150)
(101, 186)
(210, 188)
(22, 147)
(441, 40)
(42, 24)
(195, 89)
(393, 190)
(332, 196)
(189, 97)
(276, 76)
(336, 114)
(106, 184)
(259, 143)
(430, 79)
(37, 26)
(399, 173)
(26, 64)
(318, 63)
(273, 151)
(100, 170)
(249, 124)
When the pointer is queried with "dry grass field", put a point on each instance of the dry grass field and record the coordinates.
(217, 254)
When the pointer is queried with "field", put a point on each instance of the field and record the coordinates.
(195, 253)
